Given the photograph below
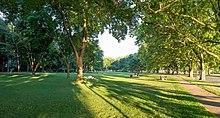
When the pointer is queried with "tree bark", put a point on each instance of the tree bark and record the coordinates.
(191, 69)
(208, 70)
(202, 67)
(34, 66)
(68, 28)
(79, 69)
(79, 56)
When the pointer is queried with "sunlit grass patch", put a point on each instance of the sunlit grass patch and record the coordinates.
(147, 96)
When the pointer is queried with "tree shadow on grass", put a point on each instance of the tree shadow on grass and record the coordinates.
(151, 100)
(51, 97)
(107, 102)
(119, 74)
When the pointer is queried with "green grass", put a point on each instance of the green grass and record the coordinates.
(209, 86)
(110, 95)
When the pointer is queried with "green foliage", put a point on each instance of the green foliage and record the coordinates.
(176, 32)
(131, 63)
(93, 57)
(107, 62)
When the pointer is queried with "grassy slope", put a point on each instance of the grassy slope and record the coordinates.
(111, 95)
(209, 86)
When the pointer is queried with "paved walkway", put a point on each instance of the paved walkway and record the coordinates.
(213, 78)
(209, 100)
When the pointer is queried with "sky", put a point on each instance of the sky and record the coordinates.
(113, 49)
(1, 15)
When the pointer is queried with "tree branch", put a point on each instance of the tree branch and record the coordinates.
(85, 36)
(65, 25)
(163, 8)
(198, 21)
(188, 39)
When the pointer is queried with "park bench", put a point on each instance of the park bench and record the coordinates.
(163, 78)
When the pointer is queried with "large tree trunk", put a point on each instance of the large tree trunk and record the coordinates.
(79, 69)
(202, 68)
(78, 53)
(191, 69)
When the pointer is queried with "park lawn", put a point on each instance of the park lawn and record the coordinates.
(209, 86)
(110, 95)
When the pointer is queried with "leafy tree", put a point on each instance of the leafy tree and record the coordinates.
(107, 62)
(4, 31)
(86, 19)
(65, 51)
(191, 23)
(81, 20)
(134, 63)
(131, 63)
(93, 57)
(37, 30)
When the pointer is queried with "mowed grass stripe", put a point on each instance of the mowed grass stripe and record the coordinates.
(110, 95)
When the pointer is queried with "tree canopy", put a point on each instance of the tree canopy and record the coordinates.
(172, 34)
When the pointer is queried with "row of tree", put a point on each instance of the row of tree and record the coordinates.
(176, 35)
(131, 63)
(35, 42)
(180, 34)
(172, 34)
(77, 22)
